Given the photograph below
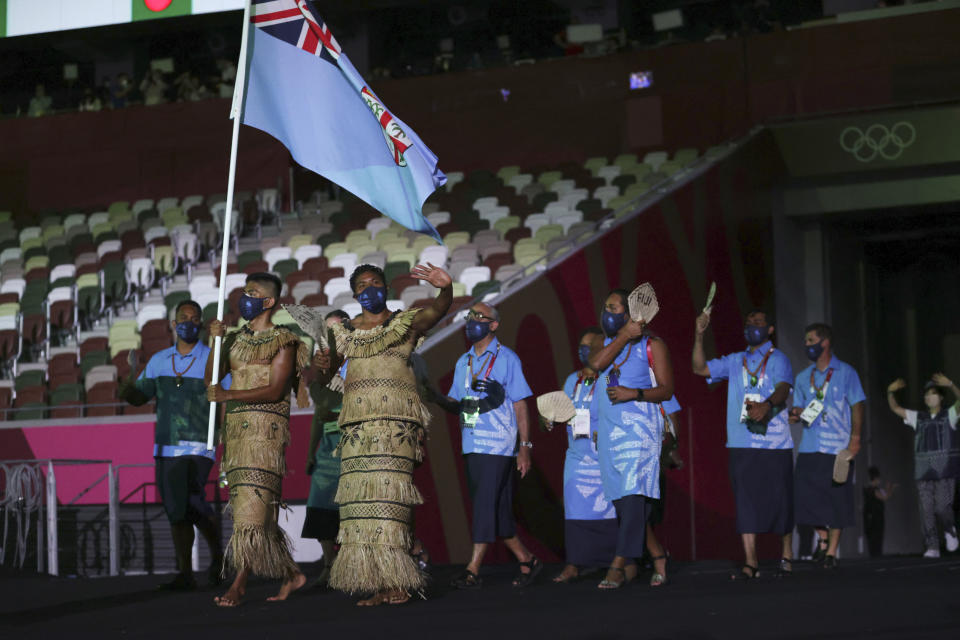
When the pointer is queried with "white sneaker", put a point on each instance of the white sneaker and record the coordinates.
(952, 542)
(932, 553)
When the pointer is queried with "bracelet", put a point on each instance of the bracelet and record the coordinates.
(526, 443)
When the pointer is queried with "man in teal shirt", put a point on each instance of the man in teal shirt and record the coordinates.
(174, 377)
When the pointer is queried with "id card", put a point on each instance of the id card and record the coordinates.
(581, 424)
(812, 412)
(750, 397)
(471, 412)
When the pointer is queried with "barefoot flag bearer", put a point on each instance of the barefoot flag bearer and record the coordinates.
(295, 83)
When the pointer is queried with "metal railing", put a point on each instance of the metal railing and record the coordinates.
(31, 503)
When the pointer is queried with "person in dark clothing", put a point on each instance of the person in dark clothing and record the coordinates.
(875, 496)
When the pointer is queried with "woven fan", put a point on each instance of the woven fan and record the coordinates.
(643, 303)
(841, 466)
(556, 406)
(311, 320)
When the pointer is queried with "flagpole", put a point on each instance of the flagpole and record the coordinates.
(235, 112)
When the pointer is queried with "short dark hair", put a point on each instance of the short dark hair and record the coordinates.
(338, 313)
(366, 268)
(188, 303)
(269, 280)
(766, 316)
(874, 472)
(823, 331)
(624, 295)
(589, 331)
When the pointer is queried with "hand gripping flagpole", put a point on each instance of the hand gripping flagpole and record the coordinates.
(235, 111)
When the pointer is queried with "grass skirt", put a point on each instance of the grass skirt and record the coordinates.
(377, 496)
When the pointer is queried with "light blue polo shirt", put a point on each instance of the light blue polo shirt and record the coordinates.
(495, 432)
(830, 432)
(671, 406)
(778, 369)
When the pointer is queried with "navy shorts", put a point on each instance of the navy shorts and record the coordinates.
(491, 481)
(181, 482)
(762, 481)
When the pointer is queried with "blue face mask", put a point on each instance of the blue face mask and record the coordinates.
(373, 299)
(188, 331)
(755, 335)
(814, 351)
(476, 330)
(249, 307)
(611, 322)
(584, 352)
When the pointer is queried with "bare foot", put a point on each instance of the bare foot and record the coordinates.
(381, 597)
(398, 596)
(289, 587)
(570, 572)
(230, 599)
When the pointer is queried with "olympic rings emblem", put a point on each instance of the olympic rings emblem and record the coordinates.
(878, 140)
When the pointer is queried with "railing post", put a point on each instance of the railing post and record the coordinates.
(113, 519)
(53, 564)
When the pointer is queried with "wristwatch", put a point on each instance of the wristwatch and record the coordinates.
(526, 443)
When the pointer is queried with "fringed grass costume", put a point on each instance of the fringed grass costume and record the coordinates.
(382, 422)
(255, 436)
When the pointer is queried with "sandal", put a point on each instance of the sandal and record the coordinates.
(466, 579)
(830, 562)
(785, 570)
(743, 575)
(821, 553)
(659, 579)
(565, 577)
(608, 585)
(422, 558)
(524, 579)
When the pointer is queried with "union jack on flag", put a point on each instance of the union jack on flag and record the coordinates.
(303, 90)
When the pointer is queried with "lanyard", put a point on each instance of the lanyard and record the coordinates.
(590, 382)
(820, 392)
(179, 374)
(762, 369)
(468, 380)
(616, 366)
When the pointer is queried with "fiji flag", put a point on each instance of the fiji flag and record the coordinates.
(302, 90)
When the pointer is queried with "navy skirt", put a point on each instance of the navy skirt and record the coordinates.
(820, 501)
(632, 514)
(590, 543)
(491, 482)
(762, 482)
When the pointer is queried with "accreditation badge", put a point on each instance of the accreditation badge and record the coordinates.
(750, 397)
(812, 412)
(581, 424)
(471, 412)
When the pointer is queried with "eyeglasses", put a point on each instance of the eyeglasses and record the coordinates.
(476, 315)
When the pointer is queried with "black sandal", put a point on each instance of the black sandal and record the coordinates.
(785, 570)
(742, 575)
(466, 579)
(821, 553)
(830, 562)
(524, 579)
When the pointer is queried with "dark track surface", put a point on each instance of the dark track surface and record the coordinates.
(879, 599)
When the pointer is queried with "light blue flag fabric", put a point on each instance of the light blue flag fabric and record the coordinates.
(303, 90)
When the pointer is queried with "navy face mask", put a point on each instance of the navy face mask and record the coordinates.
(814, 351)
(755, 335)
(249, 307)
(188, 331)
(584, 352)
(373, 299)
(611, 322)
(476, 330)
